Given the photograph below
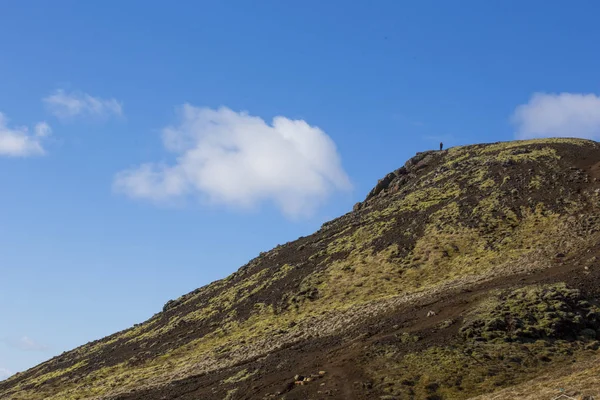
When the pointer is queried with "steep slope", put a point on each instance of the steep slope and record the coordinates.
(464, 272)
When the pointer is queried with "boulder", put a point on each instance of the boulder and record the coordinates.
(417, 158)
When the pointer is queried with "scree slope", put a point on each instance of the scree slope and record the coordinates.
(472, 272)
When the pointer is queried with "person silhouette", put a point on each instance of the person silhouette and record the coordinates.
(441, 146)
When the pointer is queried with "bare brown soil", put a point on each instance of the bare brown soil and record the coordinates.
(344, 356)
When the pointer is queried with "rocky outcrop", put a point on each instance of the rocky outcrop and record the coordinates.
(462, 272)
(394, 181)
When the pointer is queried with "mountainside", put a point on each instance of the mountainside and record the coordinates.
(473, 271)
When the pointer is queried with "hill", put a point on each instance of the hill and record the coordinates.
(473, 271)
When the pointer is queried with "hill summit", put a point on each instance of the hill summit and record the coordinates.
(473, 271)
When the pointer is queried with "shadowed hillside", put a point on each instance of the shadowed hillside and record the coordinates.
(467, 272)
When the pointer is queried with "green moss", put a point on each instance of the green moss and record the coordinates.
(445, 252)
(465, 371)
(535, 182)
(509, 337)
(457, 155)
(57, 373)
(503, 146)
(231, 394)
(361, 237)
(360, 277)
(240, 376)
(424, 198)
(454, 238)
(518, 156)
(532, 312)
(487, 184)
(406, 337)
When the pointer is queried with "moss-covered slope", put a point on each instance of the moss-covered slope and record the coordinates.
(464, 272)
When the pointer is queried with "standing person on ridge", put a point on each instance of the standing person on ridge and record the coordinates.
(441, 146)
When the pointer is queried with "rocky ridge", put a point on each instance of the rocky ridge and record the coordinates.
(464, 273)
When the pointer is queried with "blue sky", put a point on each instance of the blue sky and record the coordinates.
(149, 148)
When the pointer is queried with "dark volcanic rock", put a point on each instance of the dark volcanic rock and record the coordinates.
(500, 240)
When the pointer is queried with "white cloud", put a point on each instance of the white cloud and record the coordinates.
(564, 114)
(18, 142)
(239, 160)
(42, 129)
(69, 105)
(25, 343)
(28, 344)
(4, 373)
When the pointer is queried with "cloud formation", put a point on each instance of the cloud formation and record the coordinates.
(77, 104)
(19, 142)
(25, 343)
(239, 160)
(28, 344)
(564, 114)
